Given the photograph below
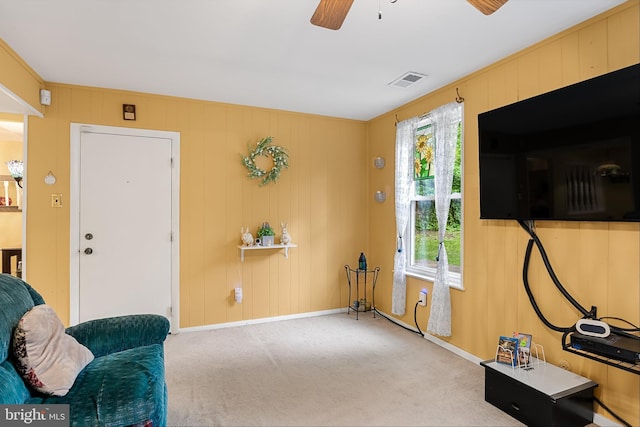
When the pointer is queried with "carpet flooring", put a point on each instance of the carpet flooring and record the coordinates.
(330, 370)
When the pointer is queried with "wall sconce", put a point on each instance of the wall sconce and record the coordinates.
(16, 168)
(378, 162)
(380, 196)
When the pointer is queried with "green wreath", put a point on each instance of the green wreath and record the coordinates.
(278, 155)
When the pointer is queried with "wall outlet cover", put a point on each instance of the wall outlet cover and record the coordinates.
(56, 200)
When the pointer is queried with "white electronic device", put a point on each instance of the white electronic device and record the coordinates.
(45, 97)
(594, 328)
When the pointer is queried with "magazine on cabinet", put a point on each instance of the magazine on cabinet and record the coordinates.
(507, 350)
(524, 349)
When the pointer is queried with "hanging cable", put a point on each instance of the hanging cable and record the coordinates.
(525, 280)
(634, 329)
(552, 274)
(415, 318)
(591, 314)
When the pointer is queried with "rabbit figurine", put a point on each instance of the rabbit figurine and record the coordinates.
(285, 239)
(247, 237)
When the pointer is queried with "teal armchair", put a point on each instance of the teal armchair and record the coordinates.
(124, 385)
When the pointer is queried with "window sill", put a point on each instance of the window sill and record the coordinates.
(454, 279)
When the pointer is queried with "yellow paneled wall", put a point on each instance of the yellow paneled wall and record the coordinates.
(598, 263)
(326, 218)
(326, 198)
(18, 77)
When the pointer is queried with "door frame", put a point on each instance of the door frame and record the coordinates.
(74, 213)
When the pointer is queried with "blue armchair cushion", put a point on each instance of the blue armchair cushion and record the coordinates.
(113, 334)
(119, 389)
(13, 390)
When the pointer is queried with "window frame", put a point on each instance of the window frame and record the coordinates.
(425, 272)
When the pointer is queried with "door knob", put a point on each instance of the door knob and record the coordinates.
(88, 251)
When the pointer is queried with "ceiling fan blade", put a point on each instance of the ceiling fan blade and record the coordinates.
(487, 6)
(331, 13)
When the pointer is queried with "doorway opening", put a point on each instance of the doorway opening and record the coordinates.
(11, 192)
(14, 115)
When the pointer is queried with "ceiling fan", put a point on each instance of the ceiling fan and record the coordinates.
(331, 13)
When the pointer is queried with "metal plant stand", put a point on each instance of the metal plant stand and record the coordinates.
(355, 305)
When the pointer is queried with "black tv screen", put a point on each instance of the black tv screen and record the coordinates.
(569, 154)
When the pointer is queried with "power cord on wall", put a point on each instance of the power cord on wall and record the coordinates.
(415, 318)
(532, 300)
(534, 239)
(419, 332)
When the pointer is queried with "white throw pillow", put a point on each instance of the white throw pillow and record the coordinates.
(48, 359)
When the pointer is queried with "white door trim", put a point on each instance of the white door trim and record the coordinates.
(74, 212)
(25, 138)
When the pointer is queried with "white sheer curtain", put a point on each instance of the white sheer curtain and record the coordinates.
(445, 120)
(404, 177)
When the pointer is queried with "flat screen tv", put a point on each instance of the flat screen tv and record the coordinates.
(572, 154)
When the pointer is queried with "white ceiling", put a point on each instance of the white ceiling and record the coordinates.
(10, 131)
(266, 53)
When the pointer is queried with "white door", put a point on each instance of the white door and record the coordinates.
(125, 233)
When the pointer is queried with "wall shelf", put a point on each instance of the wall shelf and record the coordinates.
(626, 366)
(272, 247)
(10, 209)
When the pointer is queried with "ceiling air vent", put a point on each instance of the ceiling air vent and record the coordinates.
(407, 79)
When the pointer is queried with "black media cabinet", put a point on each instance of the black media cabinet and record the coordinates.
(544, 395)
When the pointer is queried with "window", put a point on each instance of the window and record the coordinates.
(423, 226)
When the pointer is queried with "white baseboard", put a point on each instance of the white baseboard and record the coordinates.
(604, 421)
(452, 348)
(262, 320)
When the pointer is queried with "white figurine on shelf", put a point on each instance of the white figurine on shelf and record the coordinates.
(247, 237)
(285, 239)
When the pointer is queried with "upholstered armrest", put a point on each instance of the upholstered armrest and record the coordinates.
(113, 334)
